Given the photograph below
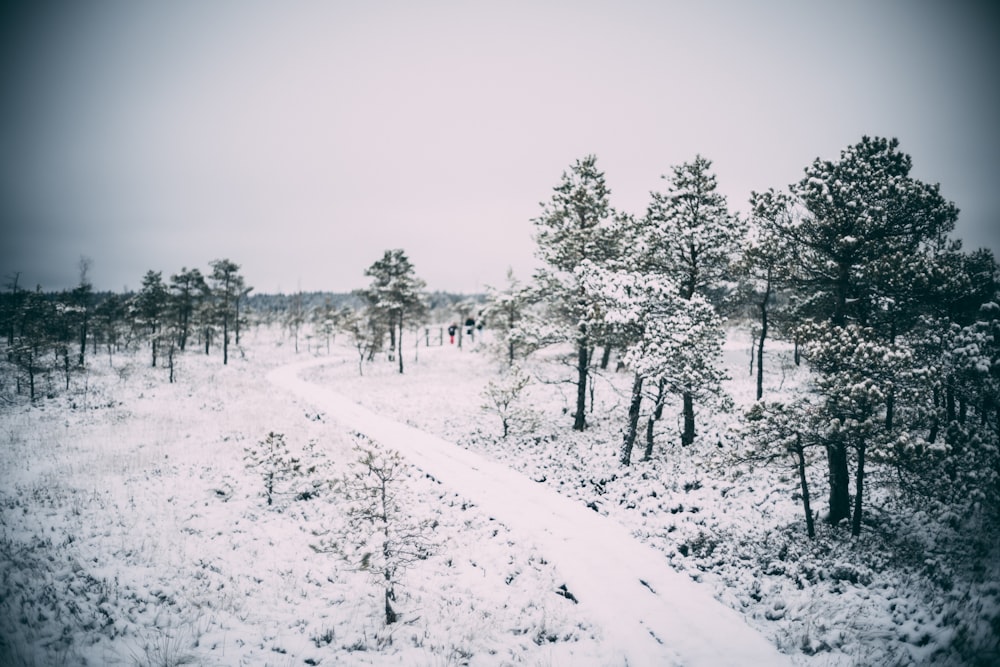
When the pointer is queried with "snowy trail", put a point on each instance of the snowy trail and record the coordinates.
(651, 614)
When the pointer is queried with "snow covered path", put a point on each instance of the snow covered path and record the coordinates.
(650, 613)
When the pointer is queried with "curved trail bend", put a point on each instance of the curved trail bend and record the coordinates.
(652, 615)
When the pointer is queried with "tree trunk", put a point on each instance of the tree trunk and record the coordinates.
(840, 496)
(859, 490)
(156, 337)
(399, 343)
(31, 376)
(687, 437)
(633, 421)
(763, 336)
(83, 337)
(582, 364)
(225, 339)
(66, 366)
(390, 614)
(932, 436)
(392, 340)
(185, 317)
(653, 418)
(606, 357)
(801, 456)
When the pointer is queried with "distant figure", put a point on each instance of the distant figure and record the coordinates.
(470, 329)
(451, 333)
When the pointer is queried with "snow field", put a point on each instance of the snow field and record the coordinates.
(131, 532)
(888, 598)
(134, 534)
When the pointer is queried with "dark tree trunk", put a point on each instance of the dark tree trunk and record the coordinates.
(801, 456)
(390, 614)
(840, 496)
(225, 339)
(399, 343)
(606, 357)
(392, 339)
(83, 337)
(66, 366)
(185, 317)
(582, 364)
(633, 421)
(654, 417)
(763, 336)
(156, 337)
(687, 437)
(31, 376)
(859, 490)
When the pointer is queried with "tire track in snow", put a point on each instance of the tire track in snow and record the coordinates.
(651, 614)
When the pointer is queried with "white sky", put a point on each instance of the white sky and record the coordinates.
(303, 139)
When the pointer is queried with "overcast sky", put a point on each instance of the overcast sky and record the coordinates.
(302, 139)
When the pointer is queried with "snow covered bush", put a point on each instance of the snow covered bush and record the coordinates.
(775, 430)
(381, 535)
(275, 463)
(503, 397)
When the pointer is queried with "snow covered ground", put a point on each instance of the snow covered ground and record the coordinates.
(649, 614)
(134, 533)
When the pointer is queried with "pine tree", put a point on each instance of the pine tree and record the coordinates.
(397, 294)
(764, 265)
(865, 223)
(693, 239)
(863, 214)
(508, 314)
(83, 296)
(575, 225)
(151, 307)
(380, 537)
(187, 289)
(228, 287)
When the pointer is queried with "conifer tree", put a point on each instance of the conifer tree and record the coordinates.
(575, 225)
(764, 265)
(151, 307)
(508, 314)
(228, 287)
(693, 239)
(860, 248)
(83, 295)
(397, 293)
(187, 288)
